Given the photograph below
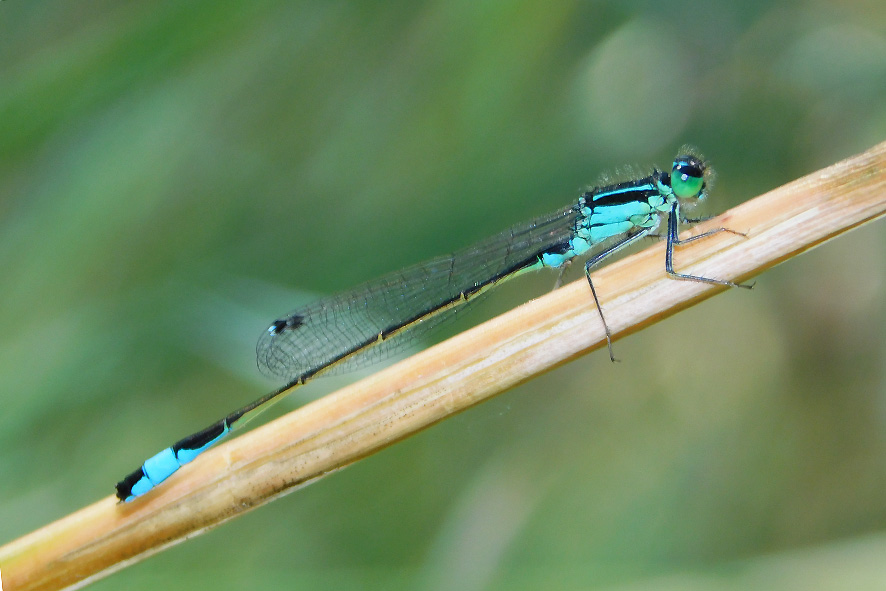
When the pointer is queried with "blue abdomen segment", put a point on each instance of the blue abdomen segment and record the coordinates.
(163, 465)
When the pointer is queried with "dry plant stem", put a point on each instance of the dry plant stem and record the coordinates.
(361, 419)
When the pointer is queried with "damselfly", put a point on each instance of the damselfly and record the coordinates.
(369, 322)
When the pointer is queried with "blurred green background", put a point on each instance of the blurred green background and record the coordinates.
(175, 175)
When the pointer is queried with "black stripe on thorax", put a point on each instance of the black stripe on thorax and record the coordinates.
(618, 194)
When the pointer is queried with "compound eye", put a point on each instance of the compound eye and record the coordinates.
(687, 177)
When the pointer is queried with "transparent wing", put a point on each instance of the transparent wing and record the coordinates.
(374, 320)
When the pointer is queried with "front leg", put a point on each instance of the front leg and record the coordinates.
(706, 234)
(673, 238)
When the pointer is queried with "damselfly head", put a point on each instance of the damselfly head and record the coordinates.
(688, 177)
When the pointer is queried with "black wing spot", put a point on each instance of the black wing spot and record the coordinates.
(290, 323)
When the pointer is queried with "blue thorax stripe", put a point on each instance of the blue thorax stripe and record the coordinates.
(639, 190)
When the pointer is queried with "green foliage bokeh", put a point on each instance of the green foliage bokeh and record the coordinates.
(175, 175)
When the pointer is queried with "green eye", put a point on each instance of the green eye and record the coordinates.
(687, 177)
